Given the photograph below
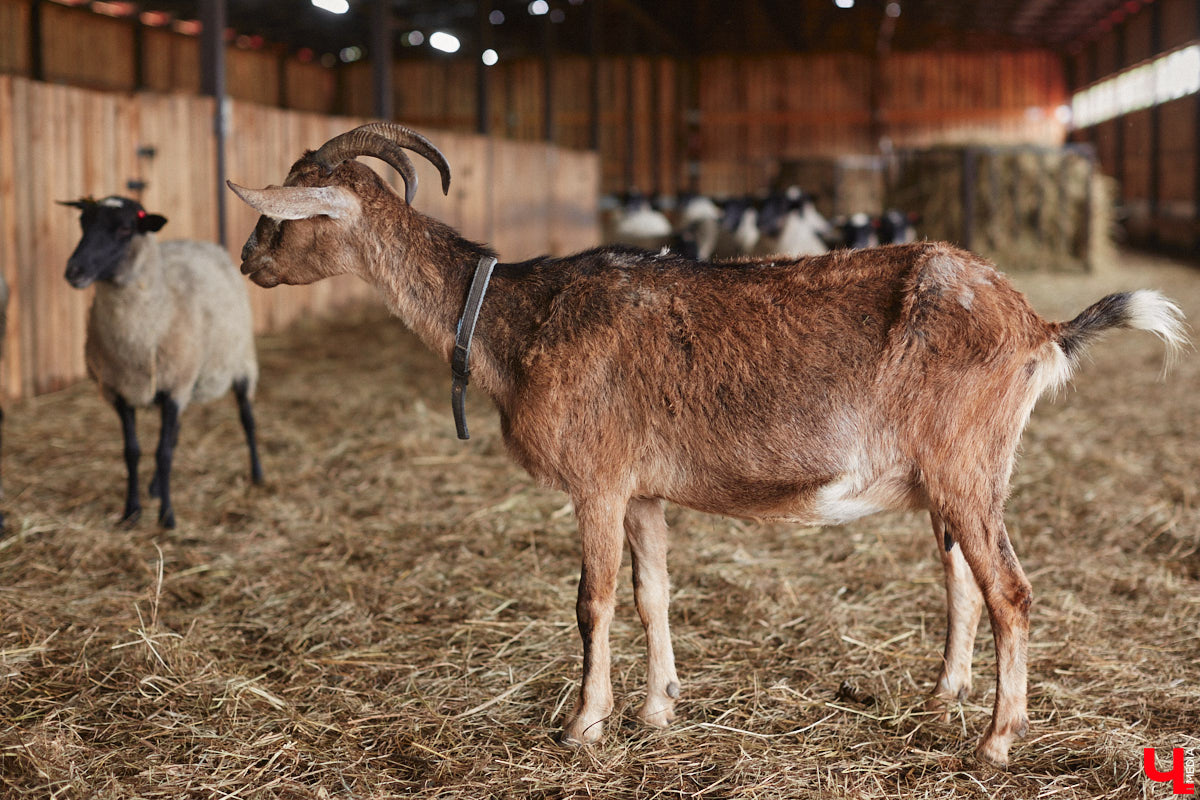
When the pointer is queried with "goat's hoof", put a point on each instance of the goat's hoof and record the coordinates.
(938, 706)
(577, 734)
(993, 750)
(131, 518)
(166, 519)
(657, 715)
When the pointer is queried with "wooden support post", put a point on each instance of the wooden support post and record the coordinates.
(548, 43)
(381, 59)
(1119, 133)
(970, 163)
(212, 83)
(37, 66)
(483, 26)
(595, 45)
(1154, 187)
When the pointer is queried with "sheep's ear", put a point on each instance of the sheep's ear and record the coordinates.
(299, 202)
(151, 222)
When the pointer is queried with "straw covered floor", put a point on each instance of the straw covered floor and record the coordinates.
(392, 615)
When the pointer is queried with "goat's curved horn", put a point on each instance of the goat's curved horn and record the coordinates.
(407, 137)
(81, 203)
(385, 140)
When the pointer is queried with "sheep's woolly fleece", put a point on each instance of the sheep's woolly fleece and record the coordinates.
(393, 614)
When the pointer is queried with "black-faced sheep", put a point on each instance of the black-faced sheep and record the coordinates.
(169, 325)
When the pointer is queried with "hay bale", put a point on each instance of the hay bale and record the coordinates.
(1027, 208)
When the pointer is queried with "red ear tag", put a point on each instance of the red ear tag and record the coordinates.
(141, 214)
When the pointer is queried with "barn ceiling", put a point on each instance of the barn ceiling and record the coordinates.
(677, 27)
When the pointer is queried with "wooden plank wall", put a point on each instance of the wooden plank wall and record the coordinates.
(721, 122)
(751, 112)
(1160, 200)
(61, 143)
(14, 37)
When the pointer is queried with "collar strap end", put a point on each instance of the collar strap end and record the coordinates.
(459, 363)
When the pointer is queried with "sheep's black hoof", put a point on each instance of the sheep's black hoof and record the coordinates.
(166, 518)
(132, 515)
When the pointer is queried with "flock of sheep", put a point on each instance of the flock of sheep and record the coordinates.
(779, 223)
(816, 390)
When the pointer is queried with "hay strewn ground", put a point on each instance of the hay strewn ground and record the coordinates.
(393, 614)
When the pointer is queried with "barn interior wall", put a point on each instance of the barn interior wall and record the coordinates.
(720, 123)
(1154, 153)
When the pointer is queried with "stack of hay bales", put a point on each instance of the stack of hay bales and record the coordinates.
(1024, 207)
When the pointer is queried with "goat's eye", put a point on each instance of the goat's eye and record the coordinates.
(124, 230)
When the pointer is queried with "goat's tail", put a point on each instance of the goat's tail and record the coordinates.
(1143, 309)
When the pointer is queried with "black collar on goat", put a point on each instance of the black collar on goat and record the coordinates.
(459, 370)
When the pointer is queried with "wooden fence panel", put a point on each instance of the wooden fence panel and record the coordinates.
(14, 37)
(170, 61)
(60, 143)
(87, 49)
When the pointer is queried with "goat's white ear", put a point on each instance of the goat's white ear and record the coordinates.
(299, 202)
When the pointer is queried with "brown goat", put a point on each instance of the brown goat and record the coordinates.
(816, 390)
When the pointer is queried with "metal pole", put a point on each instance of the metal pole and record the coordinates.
(595, 43)
(483, 121)
(37, 66)
(548, 79)
(212, 83)
(381, 59)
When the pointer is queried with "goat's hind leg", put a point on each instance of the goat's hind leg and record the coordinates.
(1008, 596)
(646, 530)
(964, 605)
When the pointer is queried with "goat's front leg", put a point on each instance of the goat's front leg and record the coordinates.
(599, 520)
(1008, 595)
(646, 530)
(964, 605)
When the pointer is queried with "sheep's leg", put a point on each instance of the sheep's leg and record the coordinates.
(964, 604)
(1008, 596)
(155, 489)
(133, 505)
(246, 413)
(646, 530)
(599, 520)
(168, 437)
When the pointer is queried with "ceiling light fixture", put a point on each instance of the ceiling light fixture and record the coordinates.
(447, 43)
(332, 6)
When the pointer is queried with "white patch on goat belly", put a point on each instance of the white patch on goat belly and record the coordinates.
(844, 500)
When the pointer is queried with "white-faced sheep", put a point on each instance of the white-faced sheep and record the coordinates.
(169, 325)
(790, 225)
(639, 224)
(817, 390)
